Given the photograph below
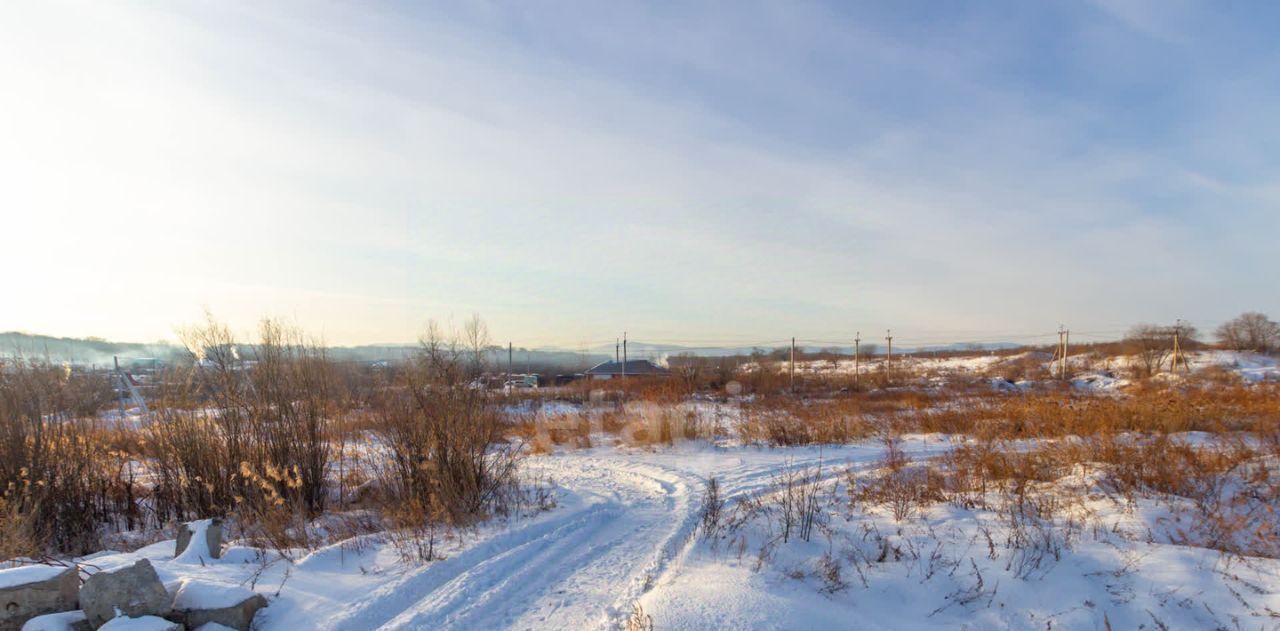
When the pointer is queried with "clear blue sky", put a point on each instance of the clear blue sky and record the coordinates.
(682, 171)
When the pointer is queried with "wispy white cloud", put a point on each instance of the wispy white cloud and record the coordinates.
(570, 170)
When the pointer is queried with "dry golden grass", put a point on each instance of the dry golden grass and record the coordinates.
(1022, 447)
(543, 435)
(1040, 414)
(253, 440)
(59, 473)
(1231, 485)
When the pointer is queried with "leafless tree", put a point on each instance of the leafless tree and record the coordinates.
(1150, 345)
(1250, 331)
(296, 401)
(444, 437)
(475, 335)
(688, 367)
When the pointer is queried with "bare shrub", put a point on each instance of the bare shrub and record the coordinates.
(295, 399)
(1027, 366)
(1250, 331)
(612, 422)
(795, 501)
(444, 438)
(898, 484)
(789, 422)
(56, 479)
(1221, 493)
(712, 507)
(414, 530)
(267, 517)
(543, 432)
(658, 424)
(195, 473)
(1151, 345)
(1031, 532)
(774, 427)
(638, 620)
(832, 579)
(271, 408)
(17, 533)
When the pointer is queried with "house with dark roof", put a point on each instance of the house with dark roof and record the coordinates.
(629, 368)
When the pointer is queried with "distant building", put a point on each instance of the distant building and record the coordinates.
(523, 381)
(565, 379)
(629, 368)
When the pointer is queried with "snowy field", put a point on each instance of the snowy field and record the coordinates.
(628, 529)
(679, 514)
(1251, 367)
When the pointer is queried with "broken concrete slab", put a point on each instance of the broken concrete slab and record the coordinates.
(198, 603)
(142, 623)
(207, 533)
(33, 590)
(133, 591)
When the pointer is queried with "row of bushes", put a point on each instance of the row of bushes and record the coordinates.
(273, 434)
(982, 413)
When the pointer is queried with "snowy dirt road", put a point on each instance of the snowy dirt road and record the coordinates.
(622, 524)
(618, 525)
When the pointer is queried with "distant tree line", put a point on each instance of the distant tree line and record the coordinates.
(1152, 345)
(1252, 331)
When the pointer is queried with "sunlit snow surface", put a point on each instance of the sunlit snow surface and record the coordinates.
(625, 531)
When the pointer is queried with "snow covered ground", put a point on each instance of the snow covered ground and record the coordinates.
(1093, 373)
(1251, 367)
(626, 531)
(1102, 566)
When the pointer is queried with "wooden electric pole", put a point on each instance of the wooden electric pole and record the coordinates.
(1177, 348)
(1066, 351)
(1057, 353)
(624, 355)
(857, 352)
(1064, 339)
(793, 365)
(888, 355)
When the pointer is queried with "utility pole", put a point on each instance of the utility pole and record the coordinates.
(1057, 352)
(1177, 348)
(510, 361)
(888, 355)
(617, 349)
(624, 355)
(857, 351)
(1066, 343)
(1064, 339)
(793, 365)
(127, 390)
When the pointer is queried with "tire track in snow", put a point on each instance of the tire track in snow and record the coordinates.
(737, 482)
(387, 601)
(634, 523)
(499, 591)
(669, 554)
(580, 570)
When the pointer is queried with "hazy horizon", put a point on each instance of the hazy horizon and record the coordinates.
(711, 173)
